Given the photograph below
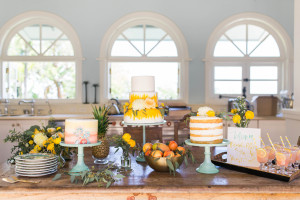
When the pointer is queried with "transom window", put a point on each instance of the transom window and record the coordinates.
(247, 57)
(146, 47)
(39, 62)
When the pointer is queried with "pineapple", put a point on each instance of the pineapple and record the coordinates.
(101, 114)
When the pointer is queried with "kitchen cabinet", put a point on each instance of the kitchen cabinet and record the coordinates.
(18, 125)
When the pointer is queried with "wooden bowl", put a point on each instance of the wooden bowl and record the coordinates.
(161, 165)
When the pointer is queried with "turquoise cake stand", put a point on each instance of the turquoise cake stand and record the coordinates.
(80, 166)
(207, 167)
(141, 156)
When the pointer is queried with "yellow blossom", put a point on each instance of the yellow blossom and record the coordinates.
(33, 151)
(233, 111)
(51, 130)
(210, 113)
(58, 128)
(236, 119)
(36, 131)
(50, 147)
(249, 114)
(37, 148)
(131, 143)
(30, 142)
(126, 137)
(162, 104)
(21, 153)
(57, 140)
(60, 134)
(32, 136)
(126, 104)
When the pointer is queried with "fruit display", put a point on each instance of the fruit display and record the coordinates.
(162, 157)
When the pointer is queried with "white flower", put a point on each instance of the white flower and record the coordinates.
(26, 145)
(202, 111)
(39, 139)
(51, 130)
(138, 104)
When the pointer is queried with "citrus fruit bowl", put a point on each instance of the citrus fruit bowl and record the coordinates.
(160, 164)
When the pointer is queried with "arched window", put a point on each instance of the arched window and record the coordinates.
(247, 54)
(40, 58)
(144, 44)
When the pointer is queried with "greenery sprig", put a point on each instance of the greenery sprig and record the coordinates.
(101, 114)
(240, 115)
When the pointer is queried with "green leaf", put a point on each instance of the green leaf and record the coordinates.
(156, 159)
(73, 178)
(108, 184)
(56, 177)
(120, 176)
(170, 165)
(185, 160)
(176, 165)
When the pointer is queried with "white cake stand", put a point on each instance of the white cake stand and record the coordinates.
(80, 166)
(141, 156)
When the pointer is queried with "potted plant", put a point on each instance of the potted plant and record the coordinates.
(101, 151)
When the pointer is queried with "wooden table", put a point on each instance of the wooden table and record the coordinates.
(144, 183)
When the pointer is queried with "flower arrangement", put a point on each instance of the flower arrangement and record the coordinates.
(240, 115)
(125, 143)
(143, 104)
(36, 140)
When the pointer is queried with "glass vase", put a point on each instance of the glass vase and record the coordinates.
(125, 162)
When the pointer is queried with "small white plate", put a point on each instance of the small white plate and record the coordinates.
(35, 163)
(36, 171)
(36, 167)
(33, 157)
(35, 175)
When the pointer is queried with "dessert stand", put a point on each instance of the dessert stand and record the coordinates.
(80, 166)
(141, 156)
(207, 167)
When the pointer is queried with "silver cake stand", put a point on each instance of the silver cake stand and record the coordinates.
(141, 156)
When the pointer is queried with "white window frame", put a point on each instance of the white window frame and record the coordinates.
(284, 62)
(8, 31)
(154, 19)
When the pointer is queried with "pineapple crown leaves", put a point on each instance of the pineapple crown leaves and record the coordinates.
(101, 114)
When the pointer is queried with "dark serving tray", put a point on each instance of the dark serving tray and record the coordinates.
(218, 160)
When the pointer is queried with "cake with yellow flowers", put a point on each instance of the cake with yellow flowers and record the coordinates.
(206, 128)
(81, 131)
(143, 102)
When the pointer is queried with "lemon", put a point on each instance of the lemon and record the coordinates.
(261, 152)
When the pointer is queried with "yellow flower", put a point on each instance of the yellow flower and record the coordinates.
(30, 142)
(21, 153)
(210, 113)
(236, 119)
(131, 143)
(60, 134)
(44, 143)
(51, 130)
(50, 147)
(37, 148)
(126, 137)
(57, 140)
(58, 128)
(33, 151)
(126, 104)
(249, 114)
(32, 136)
(36, 131)
(39, 139)
(233, 111)
(162, 104)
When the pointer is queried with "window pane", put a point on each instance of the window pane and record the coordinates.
(166, 47)
(263, 72)
(166, 78)
(62, 47)
(255, 35)
(31, 34)
(228, 87)
(40, 80)
(263, 87)
(268, 48)
(135, 35)
(228, 73)
(238, 36)
(153, 36)
(122, 47)
(225, 48)
(18, 47)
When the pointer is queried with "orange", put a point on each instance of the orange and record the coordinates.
(148, 152)
(173, 145)
(280, 158)
(181, 149)
(146, 147)
(169, 154)
(156, 154)
(261, 153)
(177, 155)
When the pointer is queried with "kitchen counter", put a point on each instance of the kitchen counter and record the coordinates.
(144, 183)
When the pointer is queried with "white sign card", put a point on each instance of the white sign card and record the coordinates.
(242, 148)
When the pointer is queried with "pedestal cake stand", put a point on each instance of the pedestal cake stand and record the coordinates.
(207, 167)
(80, 166)
(141, 156)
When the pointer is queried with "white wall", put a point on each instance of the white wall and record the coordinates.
(196, 19)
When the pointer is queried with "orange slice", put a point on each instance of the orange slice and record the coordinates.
(268, 147)
(261, 153)
(280, 157)
(288, 150)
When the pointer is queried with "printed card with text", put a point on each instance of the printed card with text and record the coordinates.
(242, 148)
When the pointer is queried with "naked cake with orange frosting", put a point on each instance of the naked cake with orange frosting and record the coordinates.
(143, 102)
(206, 128)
